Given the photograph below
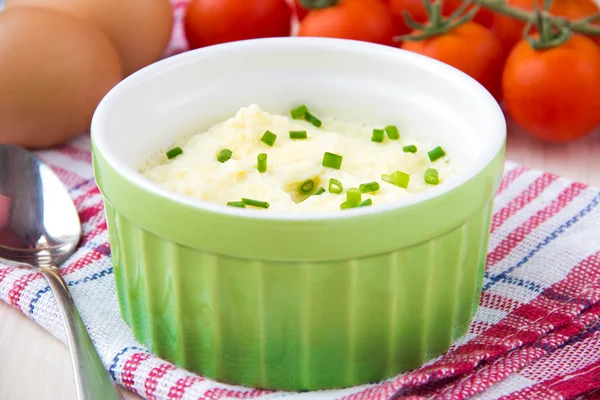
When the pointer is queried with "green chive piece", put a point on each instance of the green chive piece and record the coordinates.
(302, 112)
(174, 152)
(432, 176)
(398, 178)
(332, 160)
(377, 135)
(436, 153)
(335, 186)
(411, 148)
(299, 112)
(353, 194)
(392, 132)
(367, 202)
(348, 204)
(432, 180)
(432, 172)
(268, 138)
(298, 135)
(388, 178)
(224, 155)
(401, 179)
(239, 204)
(369, 187)
(262, 163)
(319, 191)
(255, 203)
(312, 119)
(307, 187)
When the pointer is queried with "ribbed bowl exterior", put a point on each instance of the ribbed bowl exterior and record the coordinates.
(299, 325)
(298, 301)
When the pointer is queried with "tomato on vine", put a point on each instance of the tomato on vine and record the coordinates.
(367, 20)
(209, 22)
(554, 93)
(462, 43)
(510, 30)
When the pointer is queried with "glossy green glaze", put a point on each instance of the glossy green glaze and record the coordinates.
(298, 304)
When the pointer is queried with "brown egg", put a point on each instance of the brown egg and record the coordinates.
(54, 70)
(140, 29)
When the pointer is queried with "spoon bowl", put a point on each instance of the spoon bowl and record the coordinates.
(40, 229)
(39, 224)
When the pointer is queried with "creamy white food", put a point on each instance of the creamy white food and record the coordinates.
(197, 172)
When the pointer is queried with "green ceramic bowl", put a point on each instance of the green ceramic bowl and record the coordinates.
(310, 301)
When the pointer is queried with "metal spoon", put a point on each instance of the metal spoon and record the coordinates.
(40, 228)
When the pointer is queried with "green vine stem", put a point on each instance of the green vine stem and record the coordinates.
(315, 4)
(550, 35)
(438, 24)
(583, 25)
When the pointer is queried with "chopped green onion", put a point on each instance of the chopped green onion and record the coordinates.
(388, 178)
(348, 204)
(401, 179)
(268, 138)
(302, 112)
(319, 192)
(262, 163)
(432, 176)
(436, 153)
(353, 194)
(298, 135)
(335, 186)
(307, 187)
(367, 202)
(432, 172)
(398, 178)
(224, 155)
(255, 203)
(377, 135)
(239, 204)
(411, 148)
(174, 152)
(332, 160)
(312, 119)
(392, 132)
(432, 180)
(369, 187)
(299, 112)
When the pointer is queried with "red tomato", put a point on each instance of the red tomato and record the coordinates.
(370, 21)
(471, 48)
(209, 22)
(300, 11)
(553, 93)
(416, 9)
(510, 30)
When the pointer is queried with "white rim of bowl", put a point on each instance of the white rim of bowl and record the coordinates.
(111, 100)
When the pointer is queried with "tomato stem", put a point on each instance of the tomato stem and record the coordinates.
(543, 25)
(590, 19)
(316, 4)
(550, 36)
(547, 4)
(438, 24)
(582, 25)
(436, 13)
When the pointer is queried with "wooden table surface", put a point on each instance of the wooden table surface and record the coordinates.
(36, 366)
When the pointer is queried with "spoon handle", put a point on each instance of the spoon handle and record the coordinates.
(92, 381)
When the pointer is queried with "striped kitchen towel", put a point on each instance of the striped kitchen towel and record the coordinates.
(536, 334)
